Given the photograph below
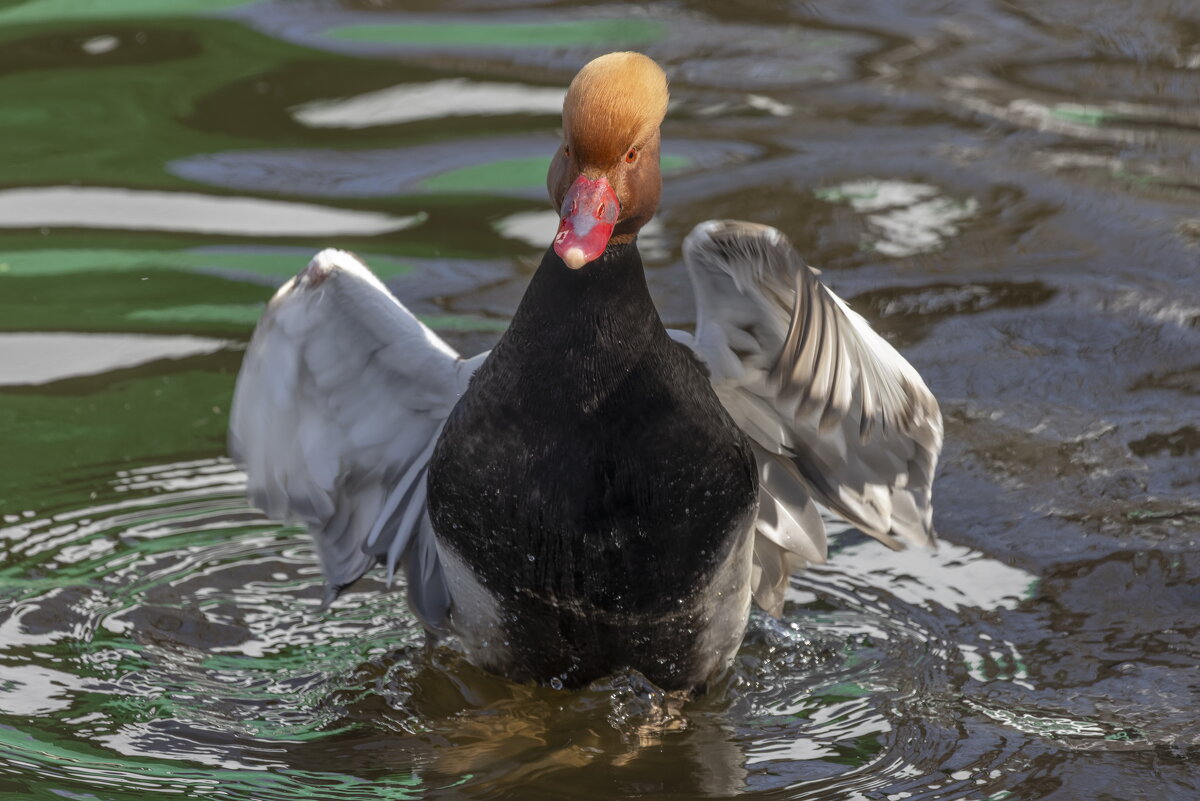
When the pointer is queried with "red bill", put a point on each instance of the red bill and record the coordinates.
(589, 213)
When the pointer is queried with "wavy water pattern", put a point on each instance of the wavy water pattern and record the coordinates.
(177, 637)
(1006, 190)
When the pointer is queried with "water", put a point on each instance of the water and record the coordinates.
(1007, 189)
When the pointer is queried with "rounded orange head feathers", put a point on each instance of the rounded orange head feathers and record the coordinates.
(605, 180)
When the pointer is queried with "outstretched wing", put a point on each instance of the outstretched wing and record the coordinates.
(837, 414)
(340, 399)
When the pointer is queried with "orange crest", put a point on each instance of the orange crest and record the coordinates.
(615, 102)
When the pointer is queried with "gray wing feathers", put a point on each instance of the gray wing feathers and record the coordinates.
(838, 415)
(340, 399)
(428, 594)
(789, 534)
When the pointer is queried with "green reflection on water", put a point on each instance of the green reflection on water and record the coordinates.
(103, 300)
(497, 175)
(68, 116)
(63, 10)
(464, 322)
(240, 315)
(573, 33)
(79, 765)
(156, 411)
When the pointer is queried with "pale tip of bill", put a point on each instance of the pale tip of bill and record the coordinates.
(574, 258)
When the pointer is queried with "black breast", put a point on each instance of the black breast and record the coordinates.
(590, 477)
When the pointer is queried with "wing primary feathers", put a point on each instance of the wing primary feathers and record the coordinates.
(338, 404)
(408, 523)
(812, 384)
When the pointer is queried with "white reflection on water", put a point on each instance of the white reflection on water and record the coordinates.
(134, 210)
(949, 575)
(39, 358)
(99, 45)
(534, 228)
(34, 689)
(179, 476)
(453, 97)
(905, 218)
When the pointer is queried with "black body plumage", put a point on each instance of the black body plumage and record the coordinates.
(591, 481)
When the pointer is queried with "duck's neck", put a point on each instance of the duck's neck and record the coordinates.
(607, 293)
(589, 326)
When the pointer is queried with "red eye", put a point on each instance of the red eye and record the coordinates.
(631, 156)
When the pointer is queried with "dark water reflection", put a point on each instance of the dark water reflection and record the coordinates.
(1007, 189)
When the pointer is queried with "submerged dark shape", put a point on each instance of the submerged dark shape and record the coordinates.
(596, 492)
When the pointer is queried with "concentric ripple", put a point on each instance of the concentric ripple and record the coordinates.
(167, 638)
(168, 623)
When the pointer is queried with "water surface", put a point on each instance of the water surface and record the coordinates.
(1007, 189)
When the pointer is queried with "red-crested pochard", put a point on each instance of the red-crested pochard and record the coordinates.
(596, 492)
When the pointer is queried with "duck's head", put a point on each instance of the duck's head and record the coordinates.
(605, 180)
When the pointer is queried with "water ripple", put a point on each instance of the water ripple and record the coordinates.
(169, 640)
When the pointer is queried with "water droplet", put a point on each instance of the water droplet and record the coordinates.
(530, 557)
(556, 683)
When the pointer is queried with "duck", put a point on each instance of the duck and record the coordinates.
(597, 492)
